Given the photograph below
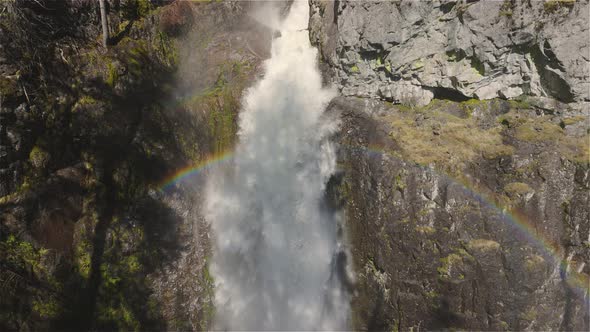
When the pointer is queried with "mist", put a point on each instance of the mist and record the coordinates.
(274, 244)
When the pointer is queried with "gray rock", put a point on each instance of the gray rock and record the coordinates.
(478, 49)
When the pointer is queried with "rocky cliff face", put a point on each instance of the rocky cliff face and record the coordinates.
(461, 212)
(89, 237)
(485, 238)
(413, 51)
(464, 209)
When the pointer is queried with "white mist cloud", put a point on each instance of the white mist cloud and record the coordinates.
(267, 14)
(274, 246)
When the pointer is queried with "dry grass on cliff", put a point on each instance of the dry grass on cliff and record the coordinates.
(448, 136)
(546, 131)
(445, 140)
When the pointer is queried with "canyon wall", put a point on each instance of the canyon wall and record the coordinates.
(463, 155)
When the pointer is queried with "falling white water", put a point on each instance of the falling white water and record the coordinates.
(275, 245)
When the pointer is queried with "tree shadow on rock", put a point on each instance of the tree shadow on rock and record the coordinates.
(444, 317)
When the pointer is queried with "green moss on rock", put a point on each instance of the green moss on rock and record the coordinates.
(112, 75)
(551, 6)
(23, 254)
(8, 86)
(521, 103)
(135, 9)
(47, 309)
(572, 120)
(86, 100)
(208, 308)
(448, 263)
(454, 265)
(39, 157)
(400, 184)
(427, 230)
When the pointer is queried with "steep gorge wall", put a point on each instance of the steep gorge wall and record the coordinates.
(89, 236)
(485, 245)
(467, 205)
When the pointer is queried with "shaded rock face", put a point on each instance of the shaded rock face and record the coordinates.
(80, 226)
(491, 245)
(412, 51)
(90, 239)
(463, 210)
(224, 53)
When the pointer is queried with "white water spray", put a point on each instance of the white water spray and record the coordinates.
(275, 246)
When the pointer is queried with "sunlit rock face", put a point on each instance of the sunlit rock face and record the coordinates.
(413, 51)
(275, 244)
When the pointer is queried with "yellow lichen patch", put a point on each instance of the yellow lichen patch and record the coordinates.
(447, 264)
(504, 325)
(425, 230)
(483, 245)
(473, 103)
(529, 315)
(553, 5)
(517, 189)
(417, 64)
(112, 75)
(431, 295)
(573, 120)
(83, 101)
(86, 100)
(404, 220)
(39, 157)
(400, 183)
(533, 262)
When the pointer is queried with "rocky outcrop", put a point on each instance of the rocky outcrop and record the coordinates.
(413, 51)
(466, 206)
(457, 218)
(462, 213)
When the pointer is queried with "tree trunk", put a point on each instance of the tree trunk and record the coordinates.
(105, 23)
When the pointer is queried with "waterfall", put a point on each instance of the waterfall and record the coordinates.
(274, 242)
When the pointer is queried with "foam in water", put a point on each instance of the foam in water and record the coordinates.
(274, 245)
